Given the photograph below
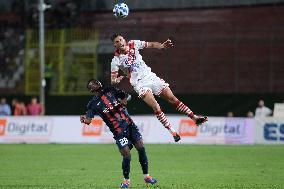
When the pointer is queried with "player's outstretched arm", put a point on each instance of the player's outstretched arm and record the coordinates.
(157, 45)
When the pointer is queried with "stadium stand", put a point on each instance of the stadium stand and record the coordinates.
(12, 57)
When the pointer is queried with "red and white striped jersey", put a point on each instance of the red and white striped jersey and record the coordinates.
(131, 63)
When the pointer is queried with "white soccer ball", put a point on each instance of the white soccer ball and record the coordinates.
(120, 10)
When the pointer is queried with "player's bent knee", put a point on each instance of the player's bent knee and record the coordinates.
(127, 157)
(139, 144)
(156, 109)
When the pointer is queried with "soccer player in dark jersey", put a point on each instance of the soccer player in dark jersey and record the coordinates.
(109, 103)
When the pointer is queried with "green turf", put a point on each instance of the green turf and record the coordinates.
(175, 166)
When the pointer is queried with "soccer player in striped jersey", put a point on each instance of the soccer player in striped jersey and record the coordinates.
(109, 103)
(146, 83)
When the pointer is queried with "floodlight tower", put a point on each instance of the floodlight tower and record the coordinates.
(41, 8)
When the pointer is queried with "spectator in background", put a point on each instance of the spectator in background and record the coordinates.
(230, 114)
(262, 110)
(18, 107)
(5, 108)
(34, 108)
(23, 108)
(250, 114)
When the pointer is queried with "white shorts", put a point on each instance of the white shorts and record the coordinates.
(150, 83)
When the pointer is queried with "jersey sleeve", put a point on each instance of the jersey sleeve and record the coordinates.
(90, 113)
(140, 44)
(114, 65)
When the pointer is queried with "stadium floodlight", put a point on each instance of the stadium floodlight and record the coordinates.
(42, 6)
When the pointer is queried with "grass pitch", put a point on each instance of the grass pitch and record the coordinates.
(175, 166)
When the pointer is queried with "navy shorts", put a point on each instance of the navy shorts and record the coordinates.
(128, 136)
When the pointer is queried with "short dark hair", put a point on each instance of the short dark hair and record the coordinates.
(93, 80)
(114, 36)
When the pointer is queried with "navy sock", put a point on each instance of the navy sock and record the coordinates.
(126, 166)
(143, 160)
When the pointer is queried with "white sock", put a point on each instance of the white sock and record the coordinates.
(146, 175)
(171, 129)
(194, 117)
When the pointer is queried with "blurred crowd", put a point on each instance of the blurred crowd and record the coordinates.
(63, 14)
(19, 108)
(260, 111)
(11, 56)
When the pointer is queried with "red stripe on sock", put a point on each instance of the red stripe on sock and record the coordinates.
(162, 118)
(183, 109)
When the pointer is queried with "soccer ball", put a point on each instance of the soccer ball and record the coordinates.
(120, 10)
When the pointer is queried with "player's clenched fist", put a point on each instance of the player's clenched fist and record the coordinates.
(85, 120)
(167, 44)
(115, 79)
(82, 118)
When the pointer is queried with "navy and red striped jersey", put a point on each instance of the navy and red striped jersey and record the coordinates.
(108, 106)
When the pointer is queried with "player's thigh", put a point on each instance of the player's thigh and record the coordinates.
(123, 144)
(150, 100)
(159, 85)
(142, 86)
(135, 136)
(125, 151)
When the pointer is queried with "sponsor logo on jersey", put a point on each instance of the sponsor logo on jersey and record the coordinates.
(111, 106)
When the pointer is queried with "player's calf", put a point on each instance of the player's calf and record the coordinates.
(199, 120)
(182, 108)
(164, 120)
